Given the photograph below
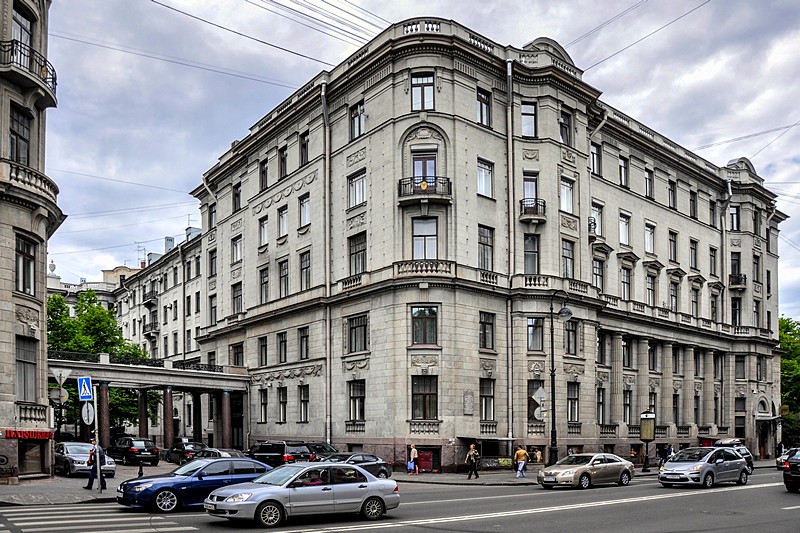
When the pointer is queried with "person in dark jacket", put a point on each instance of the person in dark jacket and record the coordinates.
(472, 461)
(97, 458)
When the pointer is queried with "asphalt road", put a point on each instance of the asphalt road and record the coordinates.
(763, 505)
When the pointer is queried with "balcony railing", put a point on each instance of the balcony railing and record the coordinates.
(608, 430)
(433, 188)
(14, 53)
(488, 428)
(661, 432)
(424, 427)
(150, 327)
(683, 432)
(532, 209)
(535, 428)
(574, 429)
(150, 298)
(634, 431)
(181, 365)
(425, 267)
(737, 281)
(31, 412)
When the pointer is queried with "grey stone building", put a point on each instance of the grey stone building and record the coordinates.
(385, 252)
(29, 215)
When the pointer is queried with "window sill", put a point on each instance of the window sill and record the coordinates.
(282, 239)
(302, 422)
(302, 230)
(424, 347)
(264, 248)
(487, 351)
(487, 197)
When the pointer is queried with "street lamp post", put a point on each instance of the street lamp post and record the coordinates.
(564, 314)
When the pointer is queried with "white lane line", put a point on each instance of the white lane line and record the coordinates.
(147, 530)
(790, 508)
(78, 520)
(74, 508)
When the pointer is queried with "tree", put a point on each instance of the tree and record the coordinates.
(789, 332)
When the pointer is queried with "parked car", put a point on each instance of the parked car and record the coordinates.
(704, 466)
(187, 485)
(70, 459)
(278, 452)
(781, 459)
(184, 451)
(218, 452)
(586, 469)
(134, 450)
(791, 471)
(737, 445)
(320, 448)
(305, 489)
(371, 463)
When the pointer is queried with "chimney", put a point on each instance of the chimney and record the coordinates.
(169, 244)
(142, 264)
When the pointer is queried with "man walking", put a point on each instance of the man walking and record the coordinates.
(520, 458)
(97, 458)
(472, 461)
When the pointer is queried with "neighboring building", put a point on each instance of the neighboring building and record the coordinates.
(386, 249)
(104, 290)
(29, 215)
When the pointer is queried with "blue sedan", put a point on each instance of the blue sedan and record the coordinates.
(187, 485)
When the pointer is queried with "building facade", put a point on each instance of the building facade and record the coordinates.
(385, 252)
(29, 215)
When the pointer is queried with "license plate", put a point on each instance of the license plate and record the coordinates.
(209, 506)
(549, 480)
(672, 476)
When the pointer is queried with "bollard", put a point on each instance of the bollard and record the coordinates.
(141, 472)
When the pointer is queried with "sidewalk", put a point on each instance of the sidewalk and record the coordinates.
(61, 490)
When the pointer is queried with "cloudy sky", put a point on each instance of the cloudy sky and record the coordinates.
(151, 93)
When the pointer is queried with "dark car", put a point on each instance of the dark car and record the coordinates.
(278, 452)
(371, 463)
(737, 445)
(791, 472)
(213, 453)
(187, 485)
(319, 448)
(184, 451)
(134, 450)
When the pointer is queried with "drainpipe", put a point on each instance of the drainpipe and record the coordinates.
(602, 123)
(326, 250)
(724, 266)
(512, 196)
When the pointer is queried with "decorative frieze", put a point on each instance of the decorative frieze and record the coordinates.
(289, 373)
(574, 371)
(356, 157)
(530, 154)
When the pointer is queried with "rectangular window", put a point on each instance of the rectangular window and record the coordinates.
(283, 278)
(757, 222)
(263, 231)
(236, 197)
(573, 401)
(601, 405)
(283, 349)
(262, 351)
(487, 398)
(652, 357)
(263, 395)
(761, 368)
(483, 107)
(627, 398)
(283, 168)
(236, 297)
(283, 221)
(739, 368)
(695, 297)
(693, 253)
(571, 337)
(283, 402)
(736, 263)
(567, 187)
(565, 128)
(676, 404)
(672, 192)
(26, 390)
(305, 271)
(357, 391)
(263, 285)
(188, 306)
(595, 159)
(303, 149)
(237, 354)
(358, 334)
(303, 393)
(486, 335)
(19, 136)
(712, 213)
(598, 274)
(625, 283)
(424, 238)
(567, 259)
(712, 261)
(601, 349)
(187, 270)
(627, 354)
(263, 174)
(485, 248)
(236, 249)
(357, 189)
(713, 303)
(531, 253)
(649, 183)
(757, 268)
(302, 343)
(528, 119)
(673, 246)
(623, 172)
(197, 302)
(424, 397)
(736, 311)
(674, 294)
(25, 268)
(212, 215)
(358, 118)
(649, 238)
(597, 216)
(693, 204)
(423, 325)
(421, 92)
(484, 178)
(733, 212)
(535, 334)
(624, 229)
(304, 206)
(357, 245)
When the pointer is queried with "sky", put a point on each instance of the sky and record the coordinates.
(152, 92)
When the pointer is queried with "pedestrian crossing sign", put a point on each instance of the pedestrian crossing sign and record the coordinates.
(85, 389)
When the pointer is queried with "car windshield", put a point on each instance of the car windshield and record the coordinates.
(78, 448)
(336, 458)
(322, 447)
(194, 446)
(690, 455)
(142, 443)
(575, 460)
(280, 475)
(190, 468)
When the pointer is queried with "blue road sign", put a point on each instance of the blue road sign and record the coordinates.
(85, 389)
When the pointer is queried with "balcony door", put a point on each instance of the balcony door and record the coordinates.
(424, 172)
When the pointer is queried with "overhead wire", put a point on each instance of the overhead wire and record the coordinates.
(343, 35)
(350, 13)
(119, 181)
(604, 24)
(775, 139)
(744, 137)
(367, 11)
(334, 17)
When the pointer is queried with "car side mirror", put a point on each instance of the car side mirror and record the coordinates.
(295, 484)
(202, 474)
(720, 460)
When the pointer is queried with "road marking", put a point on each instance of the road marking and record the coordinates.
(147, 530)
(790, 508)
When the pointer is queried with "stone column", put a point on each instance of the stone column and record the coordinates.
(197, 416)
(642, 381)
(688, 386)
(617, 384)
(143, 413)
(104, 415)
(666, 386)
(225, 413)
(168, 425)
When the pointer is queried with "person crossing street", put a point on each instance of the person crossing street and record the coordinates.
(97, 458)
(520, 458)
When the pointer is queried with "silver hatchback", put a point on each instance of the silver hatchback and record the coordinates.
(704, 467)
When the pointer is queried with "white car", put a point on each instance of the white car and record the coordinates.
(304, 489)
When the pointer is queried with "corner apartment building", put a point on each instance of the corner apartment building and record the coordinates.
(385, 251)
(29, 215)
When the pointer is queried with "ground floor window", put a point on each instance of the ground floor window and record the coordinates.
(31, 456)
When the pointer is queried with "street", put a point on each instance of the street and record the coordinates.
(763, 505)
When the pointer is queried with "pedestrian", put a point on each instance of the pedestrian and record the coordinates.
(633, 454)
(520, 457)
(415, 460)
(670, 451)
(663, 455)
(538, 454)
(97, 458)
(472, 461)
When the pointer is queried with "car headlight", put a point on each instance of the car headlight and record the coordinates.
(696, 468)
(110, 461)
(78, 462)
(241, 497)
(568, 472)
(143, 486)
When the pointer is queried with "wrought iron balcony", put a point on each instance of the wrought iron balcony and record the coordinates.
(150, 298)
(434, 189)
(28, 68)
(532, 210)
(737, 281)
(151, 328)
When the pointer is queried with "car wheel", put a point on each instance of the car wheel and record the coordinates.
(372, 508)
(165, 501)
(584, 482)
(792, 488)
(742, 478)
(666, 485)
(67, 469)
(154, 463)
(269, 514)
(708, 481)
(749, 469)
(625, 479)
(383, 474)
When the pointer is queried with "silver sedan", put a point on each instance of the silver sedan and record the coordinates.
(586, 469)
(305, 489)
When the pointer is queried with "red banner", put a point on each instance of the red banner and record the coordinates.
(28, 434)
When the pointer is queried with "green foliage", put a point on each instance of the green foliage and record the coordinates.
(789, 331)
